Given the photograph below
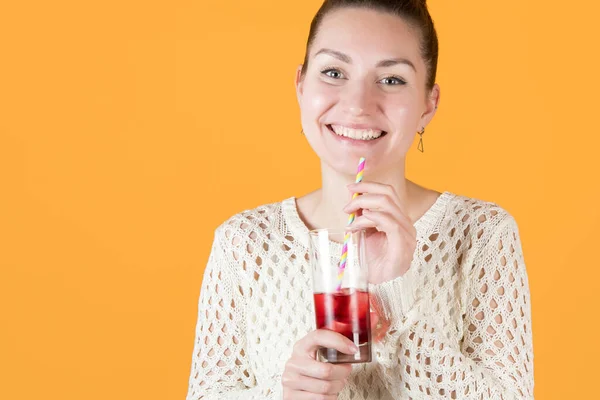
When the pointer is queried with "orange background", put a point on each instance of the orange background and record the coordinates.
(130, 130)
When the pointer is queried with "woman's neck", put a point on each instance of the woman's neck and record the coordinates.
(323, 208)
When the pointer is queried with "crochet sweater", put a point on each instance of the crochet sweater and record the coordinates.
(460, 317)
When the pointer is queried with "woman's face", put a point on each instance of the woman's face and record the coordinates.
(363, 94)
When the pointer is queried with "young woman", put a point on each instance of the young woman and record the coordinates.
(446, 271)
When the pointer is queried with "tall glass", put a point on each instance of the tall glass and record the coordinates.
(341, 305)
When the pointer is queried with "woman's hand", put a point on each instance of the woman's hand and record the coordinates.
(390, 235)
(306, 378)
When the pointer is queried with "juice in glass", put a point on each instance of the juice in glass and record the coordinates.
(341, 296)
(345, 312)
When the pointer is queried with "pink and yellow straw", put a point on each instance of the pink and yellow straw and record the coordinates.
(359, 177)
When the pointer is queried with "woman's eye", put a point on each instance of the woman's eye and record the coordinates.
(392, 81)
(389, 81)
(333, 73)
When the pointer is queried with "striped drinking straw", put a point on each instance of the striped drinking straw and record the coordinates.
(351, 217)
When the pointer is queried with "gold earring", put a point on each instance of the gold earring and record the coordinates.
(420, 145)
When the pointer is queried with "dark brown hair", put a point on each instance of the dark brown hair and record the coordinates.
(414, 12)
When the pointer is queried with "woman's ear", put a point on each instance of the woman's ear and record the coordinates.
(299, 82)
(432, 102)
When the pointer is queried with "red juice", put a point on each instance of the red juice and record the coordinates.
(345, 312)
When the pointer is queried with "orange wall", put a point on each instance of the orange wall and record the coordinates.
(130, 130)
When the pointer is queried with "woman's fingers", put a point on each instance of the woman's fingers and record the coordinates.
(373, 201)
(319, 370)
(375, 188)
(378, 203)
(389, 224)
(362, 223)
(300, 395)
(306, 383)
(306, 378)
(383, 222)
(309, 344)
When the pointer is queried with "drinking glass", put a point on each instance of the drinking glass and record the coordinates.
(341, 297)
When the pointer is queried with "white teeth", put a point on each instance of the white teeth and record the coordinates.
(359, 134)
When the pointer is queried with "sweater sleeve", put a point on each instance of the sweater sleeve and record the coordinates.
(494, 359)
(220, 366)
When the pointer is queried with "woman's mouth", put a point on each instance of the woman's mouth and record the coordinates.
(356, 134)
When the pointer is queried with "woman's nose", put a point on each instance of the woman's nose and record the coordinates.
(359, 100)
(356, 111)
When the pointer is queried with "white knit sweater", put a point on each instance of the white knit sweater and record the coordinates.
(460, 317)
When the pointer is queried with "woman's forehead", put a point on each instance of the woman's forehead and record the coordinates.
(366, 36)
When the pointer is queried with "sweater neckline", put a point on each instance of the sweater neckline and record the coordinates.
(297, 226)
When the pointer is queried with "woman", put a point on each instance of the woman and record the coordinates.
(447, 272)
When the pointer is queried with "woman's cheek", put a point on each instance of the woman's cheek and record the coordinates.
(402, 113)
(320, 96)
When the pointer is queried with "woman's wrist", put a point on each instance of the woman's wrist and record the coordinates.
(393, 299)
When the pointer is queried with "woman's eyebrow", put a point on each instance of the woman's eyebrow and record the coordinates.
(383, 63)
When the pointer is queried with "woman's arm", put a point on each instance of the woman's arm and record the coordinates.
(220, 368)
(495, 358)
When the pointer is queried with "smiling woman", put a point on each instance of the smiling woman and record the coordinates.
(448, 283)
(361, 91)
